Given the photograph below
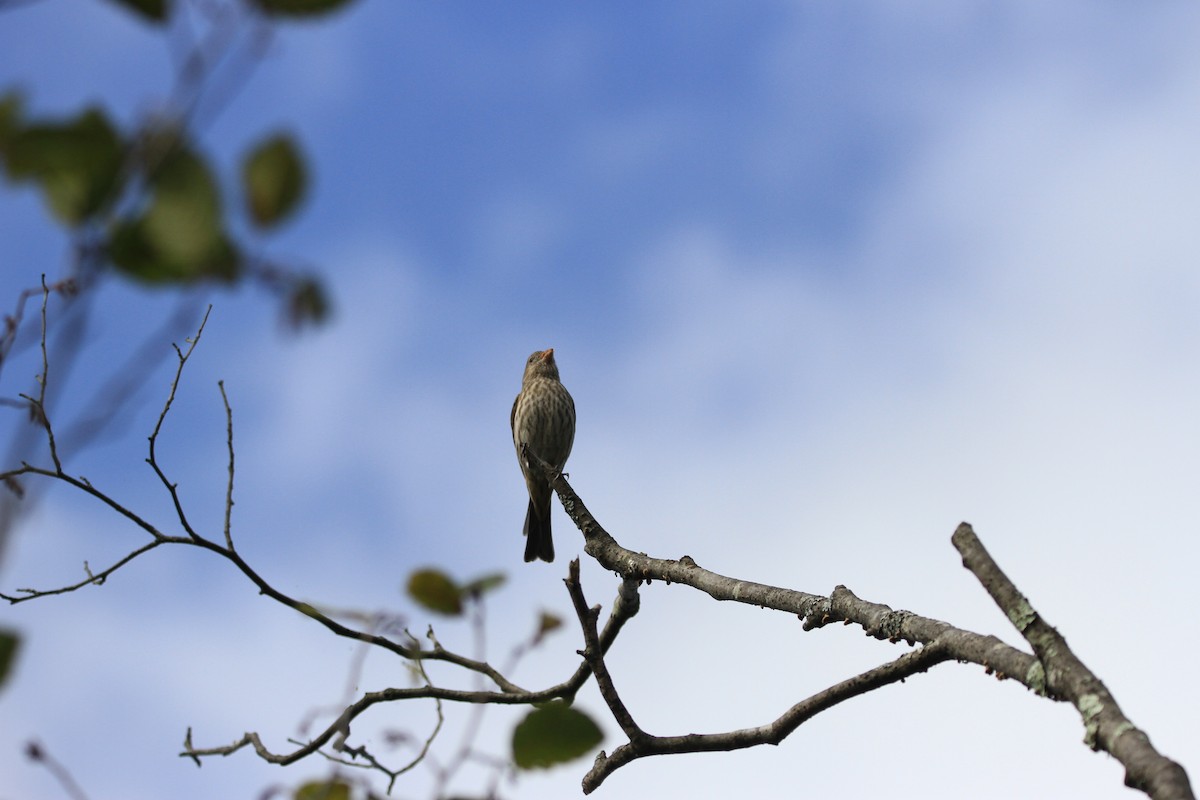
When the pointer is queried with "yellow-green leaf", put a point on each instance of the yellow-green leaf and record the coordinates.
(436, 591)
(553, 734)
(12, 106)
(485, 583)
(180, 236)
(183, 221)
(134, 252)
(547, 623)
(274, 179)
(323, 790)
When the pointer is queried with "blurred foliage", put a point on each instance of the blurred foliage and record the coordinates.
(484, 583)
(153, 10)
(145, 200)
(307, 303)
(548, 623)
(180, 236)
(76, 162)
(323, 790)
(9, 643)
(153, 203)
(331, 789)
(553, 734)
(160, 10)
(274, 180)
(300, 8)
(438, 592)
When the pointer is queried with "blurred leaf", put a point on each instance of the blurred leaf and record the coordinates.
(179, 237)
(12, 106)
(485, 583)
(274, 180)
(553, 734)
(184, 219)
(307, 303)
(77, 163)
(436, 591)
(548, 623)
(323, 790)
(132, 249)
(309, 610)
(300, 8)
(9, 643)
(153, 10)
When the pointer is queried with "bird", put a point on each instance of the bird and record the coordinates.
(543, 419)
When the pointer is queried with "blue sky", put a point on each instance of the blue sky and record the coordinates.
(823, 279)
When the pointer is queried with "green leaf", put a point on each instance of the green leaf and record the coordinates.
(323, 790)
(548, 623)
(133, 250)
(77, 163)
(307, 303)
(153, 10)
(9, 644)
(274, 180)
(300, 8)
(184, 219)
(485, 583)
(553, 734)
(12, 107)
(179, 237)
(436, 591)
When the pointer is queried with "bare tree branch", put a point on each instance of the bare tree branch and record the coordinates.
(152, 460)
(1105, 726)
(842, 605)
(1053, 671)
(642, 744)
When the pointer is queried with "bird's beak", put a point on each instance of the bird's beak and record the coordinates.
(548, 355)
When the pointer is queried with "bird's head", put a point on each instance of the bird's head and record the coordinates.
(541, 365)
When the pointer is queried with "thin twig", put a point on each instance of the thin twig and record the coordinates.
(229, 486)
(97, 578)
(152, 460)
(39, 405)
(12, 322)
(36, 752)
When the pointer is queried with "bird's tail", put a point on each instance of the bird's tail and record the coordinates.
(538, 543)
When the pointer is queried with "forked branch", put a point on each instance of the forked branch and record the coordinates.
(641, 744)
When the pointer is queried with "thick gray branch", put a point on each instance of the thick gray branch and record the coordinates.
(1054, 671)
(1106, 726)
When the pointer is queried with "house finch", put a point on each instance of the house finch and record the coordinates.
(543, 418)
